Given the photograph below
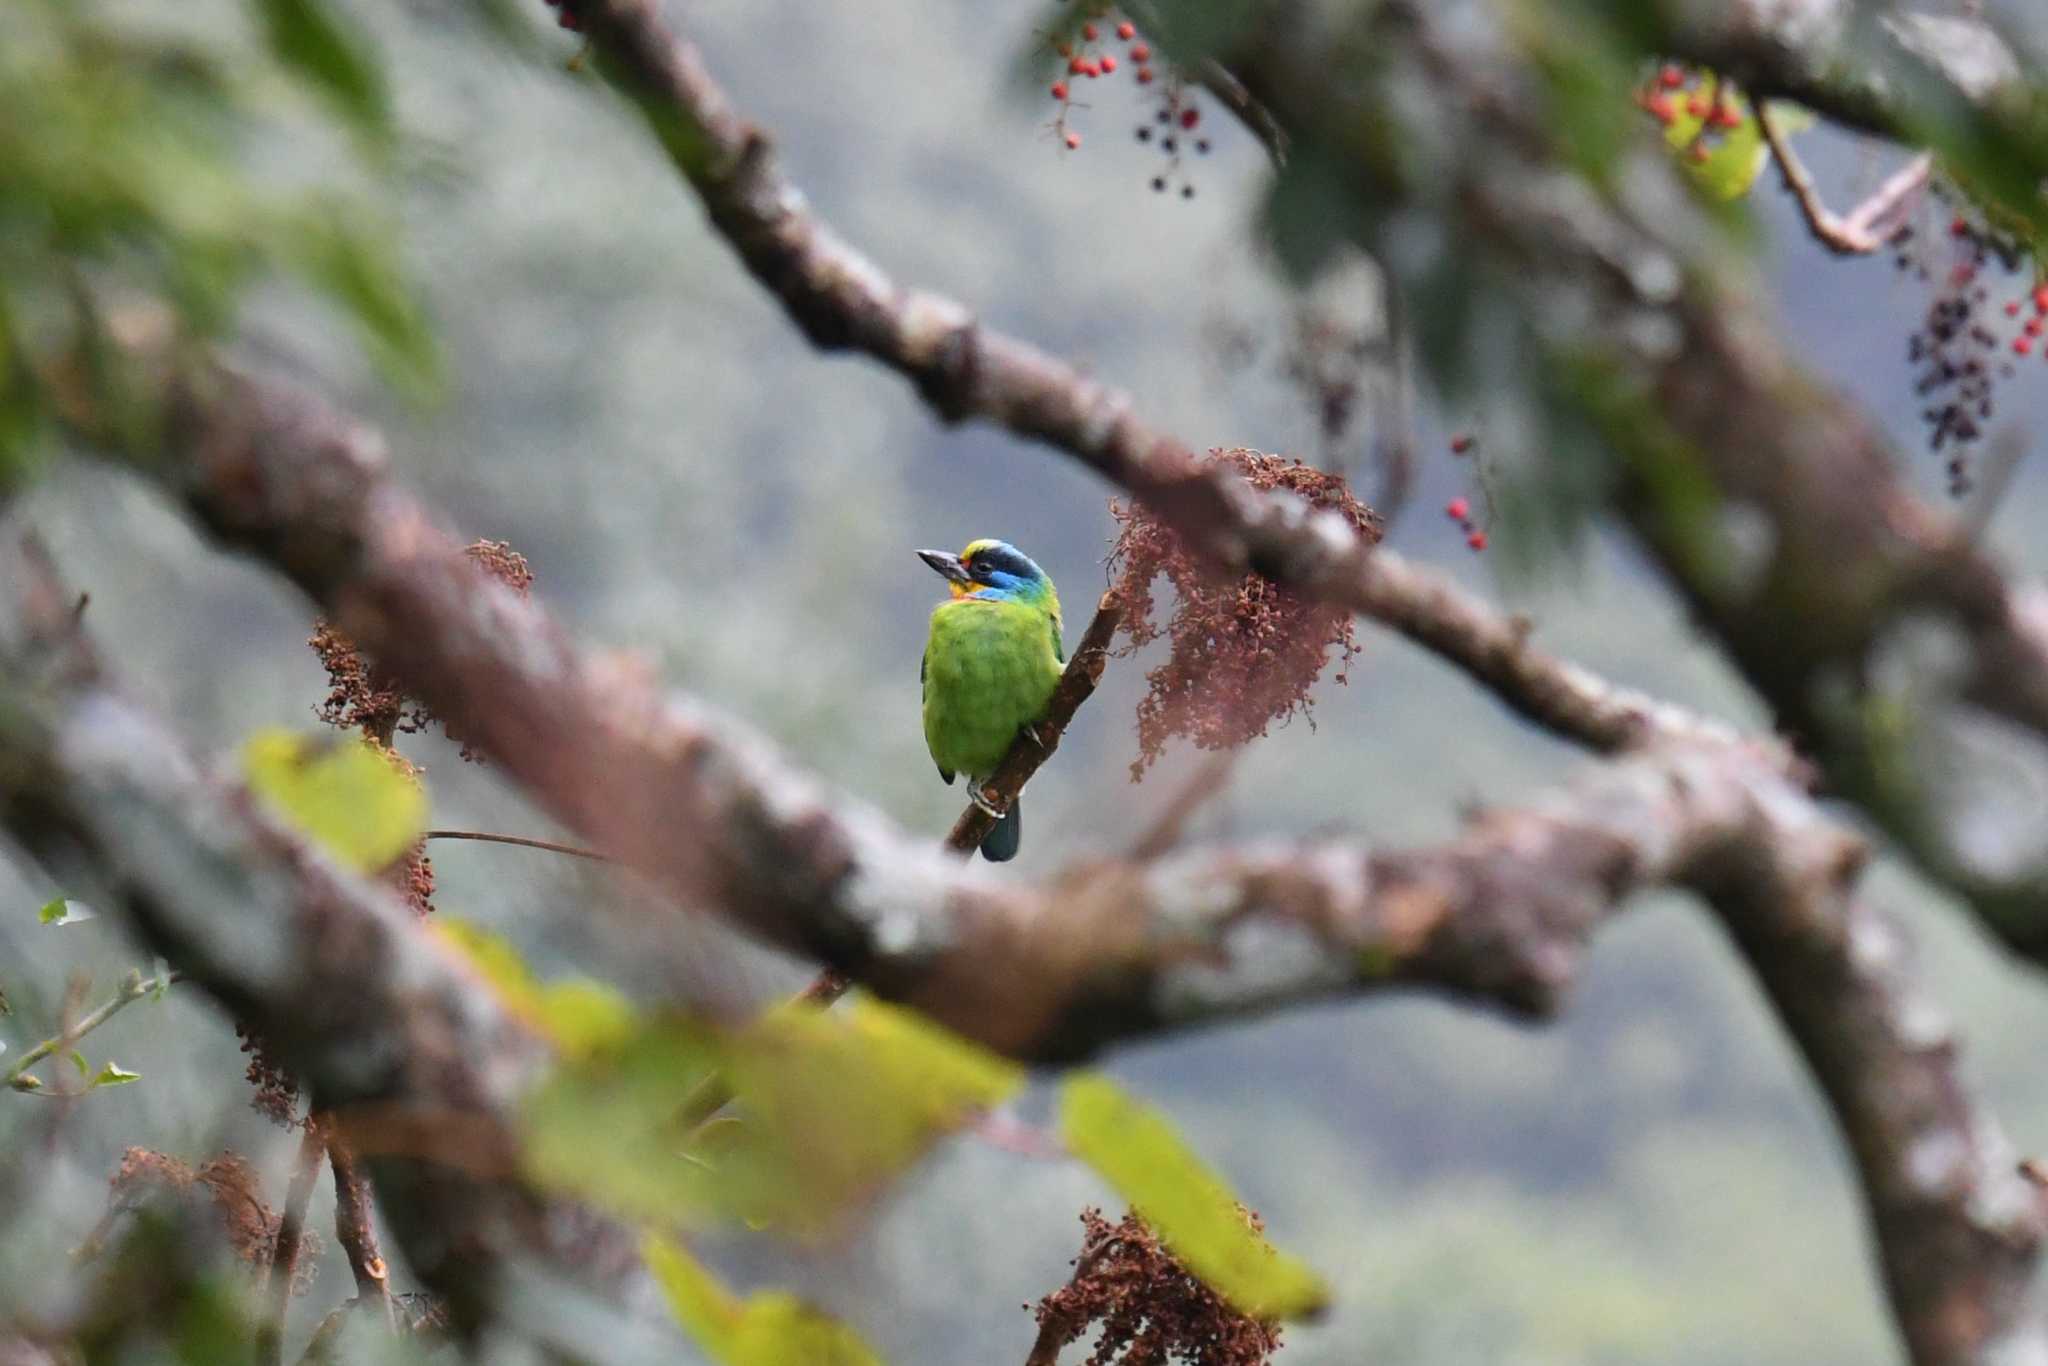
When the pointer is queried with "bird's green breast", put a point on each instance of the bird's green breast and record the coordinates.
(990, 668)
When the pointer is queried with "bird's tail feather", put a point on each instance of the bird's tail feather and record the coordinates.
(1000, 845)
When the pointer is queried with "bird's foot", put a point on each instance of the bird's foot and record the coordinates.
(975, 795)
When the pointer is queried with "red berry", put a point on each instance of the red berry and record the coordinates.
(1727, 116)
(1059, 90)
(2021, 345)
(1477, 540)
(1073, 142)
(1108, 63)
(1661, 108)
(1077, 66)
(2034, 326)
(1671, 78)
(1088, 32)
(1960, 227)
(1457, 509)
(2012, 310)
(1127, 30)
(2041, 299)
(1697, 106)
(1064, 49)
(1190, 117)
(1144, 75)
(1141, 53)
(1461, 443)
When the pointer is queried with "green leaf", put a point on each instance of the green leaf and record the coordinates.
(335, 61)
(113, 1074)
(769, 1329)
(347, 795)
(581, 1016)
(78, 1061)
(1134, 1148)
(831, 1106)
(62, 912)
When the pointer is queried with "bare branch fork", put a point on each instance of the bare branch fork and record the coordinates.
(1870, 225)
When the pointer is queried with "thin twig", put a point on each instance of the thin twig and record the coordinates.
(353, 1229)
(1210, 779)
(284, 1253)
(133, 988)
(522, 841)
(1872, 223)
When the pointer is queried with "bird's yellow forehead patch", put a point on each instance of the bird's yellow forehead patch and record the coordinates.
(976, 547)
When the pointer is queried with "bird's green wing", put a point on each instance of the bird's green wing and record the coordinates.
(1059, 647)
(924, 664)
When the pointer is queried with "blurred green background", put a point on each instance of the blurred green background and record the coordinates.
(1649, 1178)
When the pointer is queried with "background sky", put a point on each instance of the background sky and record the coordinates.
(1649, 1178)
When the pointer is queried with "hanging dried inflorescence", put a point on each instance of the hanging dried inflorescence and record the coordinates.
(1244, 652)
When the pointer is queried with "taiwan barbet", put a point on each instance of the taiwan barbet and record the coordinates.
(991, 663)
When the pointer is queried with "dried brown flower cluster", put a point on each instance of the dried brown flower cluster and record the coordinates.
(277, 1091)
(1151, 1309)
(1244, 653)
(228, 1184)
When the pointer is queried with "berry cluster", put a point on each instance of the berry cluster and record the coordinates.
(1983, 318)
(1088, 54)
(1459, 509)
(1699, 106)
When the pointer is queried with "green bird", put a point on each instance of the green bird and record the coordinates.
(990, 666)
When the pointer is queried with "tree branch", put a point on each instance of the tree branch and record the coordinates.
(1871, 224)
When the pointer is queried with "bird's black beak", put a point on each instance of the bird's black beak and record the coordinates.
(948, 565)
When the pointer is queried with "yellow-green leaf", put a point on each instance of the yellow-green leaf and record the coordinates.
(1134, 1148)
(581, 1016)
(829, 1107)
(112, 1073)
(770, 1329)
(344, 794)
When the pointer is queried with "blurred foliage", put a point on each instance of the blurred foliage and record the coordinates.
(125, 181)
(346, 794)
(769, 1329)
(1194, 1213)
(615, 1128)
(581, 1017)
